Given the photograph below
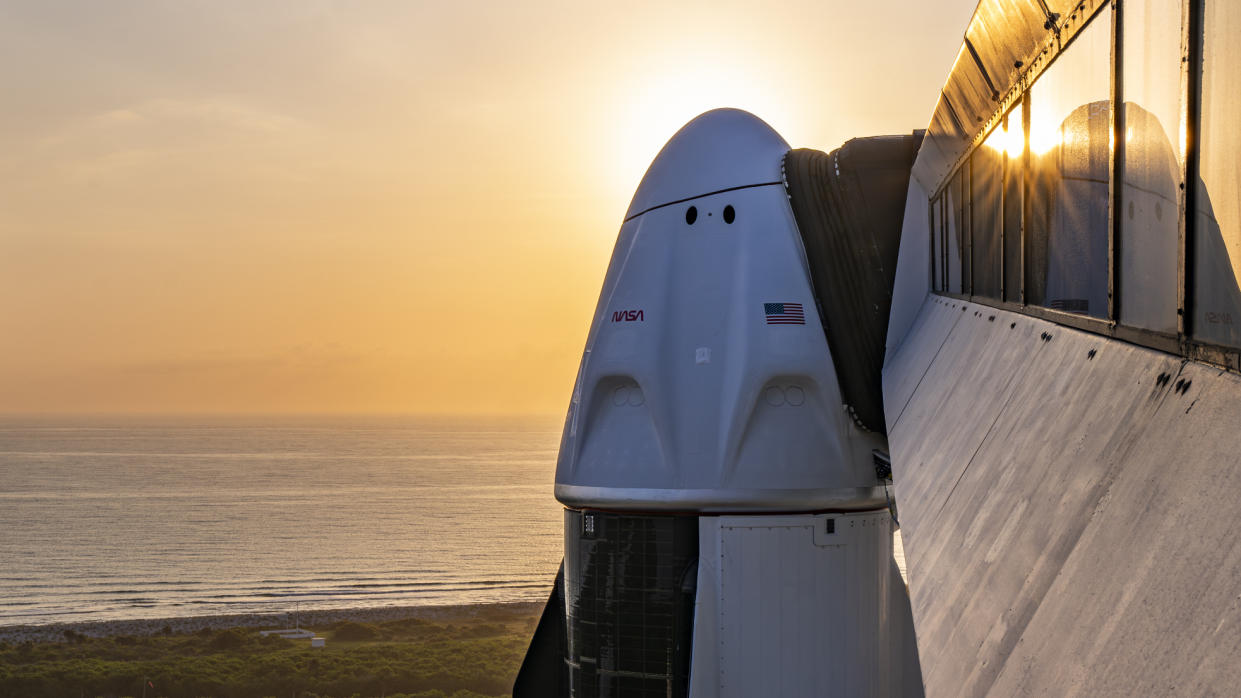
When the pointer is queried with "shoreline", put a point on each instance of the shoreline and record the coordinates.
(185, 625)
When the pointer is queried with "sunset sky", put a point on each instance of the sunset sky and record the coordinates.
(329, 207)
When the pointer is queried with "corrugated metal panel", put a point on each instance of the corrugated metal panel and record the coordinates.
(1004, 33)
(948, 122)
(971, 97)
(1007, 44)
(848, 208)
(1061, 7)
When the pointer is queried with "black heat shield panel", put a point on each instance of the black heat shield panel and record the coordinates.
(543, 672)
(629, 582)
(849, 206)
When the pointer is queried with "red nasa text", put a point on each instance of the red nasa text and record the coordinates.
(627, 316)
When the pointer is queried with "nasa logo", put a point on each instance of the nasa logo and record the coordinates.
(627, 316)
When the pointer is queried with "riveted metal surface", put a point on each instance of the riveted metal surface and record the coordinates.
(1007, 44)
(1064, 510)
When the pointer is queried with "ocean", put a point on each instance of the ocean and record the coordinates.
(130, 518)
(127, 518)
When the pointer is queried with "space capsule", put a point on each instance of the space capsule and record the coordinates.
(727, 532)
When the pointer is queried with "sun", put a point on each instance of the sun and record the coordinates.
(661, 96)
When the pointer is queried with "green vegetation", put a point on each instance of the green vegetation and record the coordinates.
(475, 658)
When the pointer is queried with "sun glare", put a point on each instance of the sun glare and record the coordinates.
(666, 95)
(1011, 141)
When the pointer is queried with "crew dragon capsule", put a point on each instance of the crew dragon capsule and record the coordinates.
(726, 530)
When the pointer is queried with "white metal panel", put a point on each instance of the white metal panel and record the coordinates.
(704, 669)
(721, 149)
(913, 268)
(799, 611)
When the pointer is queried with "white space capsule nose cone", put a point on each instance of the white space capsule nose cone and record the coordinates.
(706, 383)
(718, 150)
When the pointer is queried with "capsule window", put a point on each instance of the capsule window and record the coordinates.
(729, 214)
(691, 214)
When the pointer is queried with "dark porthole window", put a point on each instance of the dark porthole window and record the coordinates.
(729, 214)
(691, 214)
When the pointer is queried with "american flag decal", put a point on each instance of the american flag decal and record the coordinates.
(784, 314)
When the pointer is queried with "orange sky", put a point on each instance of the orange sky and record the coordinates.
(374, 207)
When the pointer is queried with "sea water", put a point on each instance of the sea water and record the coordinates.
(147, 518)
(123, 518)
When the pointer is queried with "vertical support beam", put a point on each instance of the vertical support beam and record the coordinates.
(943, 221)
(1025, 184)
(930, 251)
(1003, 218)
(969, 184)
(1116, 163)
(1191, 99)
(963, 223)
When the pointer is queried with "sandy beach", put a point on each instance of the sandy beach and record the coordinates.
(55, 632)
